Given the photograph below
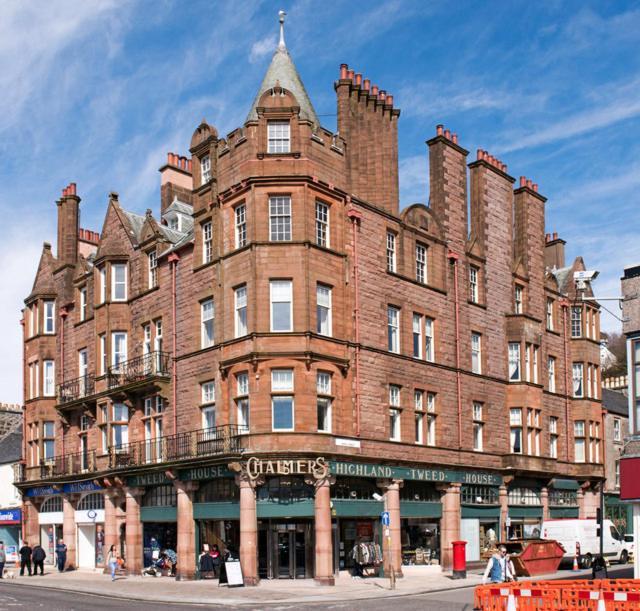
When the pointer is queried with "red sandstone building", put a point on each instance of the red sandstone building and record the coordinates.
(282, 344)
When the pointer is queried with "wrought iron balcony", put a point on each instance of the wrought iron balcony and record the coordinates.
(73, 464)
(74, 390)
(139, 369)
(183, 446)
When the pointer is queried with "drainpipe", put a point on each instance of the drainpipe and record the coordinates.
(356, 218)
(564, 304)
(453, 259)
(173, 260)
(63, 318)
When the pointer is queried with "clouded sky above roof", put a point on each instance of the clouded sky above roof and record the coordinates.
(98, 92)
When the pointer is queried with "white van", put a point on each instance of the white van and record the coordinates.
(579, 537)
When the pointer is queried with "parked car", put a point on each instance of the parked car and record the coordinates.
(579, 538)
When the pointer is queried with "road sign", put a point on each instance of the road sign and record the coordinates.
(384, 518)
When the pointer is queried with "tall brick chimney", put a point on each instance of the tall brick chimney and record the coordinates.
(175, 180)
(368, 123)
(68, 225)
(529, 238)
(554, 251)
(448, 185)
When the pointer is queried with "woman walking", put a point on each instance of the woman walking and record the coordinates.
(112, 561)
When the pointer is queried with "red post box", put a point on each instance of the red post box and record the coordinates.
(459, 559)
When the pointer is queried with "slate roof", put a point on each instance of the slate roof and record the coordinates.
(562, 274)
(283, 71)
(11, 448)
(135, 221)
(178, 206)
(615, 402)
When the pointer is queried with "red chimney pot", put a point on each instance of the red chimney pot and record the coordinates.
(382, 95)
(439, 129)
(390, 100)
(343, 71)
(447, 134)
(535, 187)
(350, 74)
(555, 235)
(358, 79)
(374, 90)
(523, 181)
(366, 84)
(529, 183)
(454, 137)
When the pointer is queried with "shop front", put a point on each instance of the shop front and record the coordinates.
(524, 519)
(10, 524)
(356, 520)
(479, 520)
(50, 519)
(285, 509)
(216, 511)
(89, 517)
(158, 515)
(421, 511)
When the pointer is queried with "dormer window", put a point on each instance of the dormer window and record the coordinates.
(205, 169)
(174, 223)
(278, 136)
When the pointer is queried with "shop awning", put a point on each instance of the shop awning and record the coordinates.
(564, 484)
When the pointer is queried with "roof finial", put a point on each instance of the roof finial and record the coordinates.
(281, 15)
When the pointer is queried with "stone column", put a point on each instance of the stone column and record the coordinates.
(186, 531)
(392, 550)
(69, 529)
(504, 512)
(248, 529)
(323, 533)
(544, 500)
(449, 524)
(111, 534)
(133, 559)
(31, 524)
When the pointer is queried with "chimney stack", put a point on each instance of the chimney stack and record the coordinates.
(176, 180)
(68, 225)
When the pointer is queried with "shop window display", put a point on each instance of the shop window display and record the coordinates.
(419, 491)
(420, 541)
(218, 490)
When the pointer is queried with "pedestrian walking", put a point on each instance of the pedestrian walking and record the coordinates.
(61, 553)
(112, 561)
(25, 558)
(38, 555)
(498, 569)
(3, 558)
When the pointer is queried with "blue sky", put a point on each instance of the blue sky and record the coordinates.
(98, 92)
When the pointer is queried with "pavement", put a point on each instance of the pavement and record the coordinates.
(424, 583)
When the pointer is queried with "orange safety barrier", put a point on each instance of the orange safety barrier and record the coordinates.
(585, 595)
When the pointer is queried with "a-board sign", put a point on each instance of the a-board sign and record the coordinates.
(231, 574)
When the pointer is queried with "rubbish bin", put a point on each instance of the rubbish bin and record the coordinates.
(459, 559)
(534, 556)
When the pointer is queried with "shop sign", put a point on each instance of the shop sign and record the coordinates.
(318, 467)
(209, 472)
(408, 473)
(148, 479)
(42, 491)
(10, 516)
(80, 487)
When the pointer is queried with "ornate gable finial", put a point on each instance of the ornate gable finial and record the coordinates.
(281, 45)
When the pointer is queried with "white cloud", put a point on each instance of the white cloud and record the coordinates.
(260, 48)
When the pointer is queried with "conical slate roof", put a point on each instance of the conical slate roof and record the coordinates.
(282, 71)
